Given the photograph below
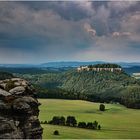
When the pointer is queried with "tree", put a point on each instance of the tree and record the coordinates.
(99, 127)
(62, 120)
(95, 124)
(90, 66)
(90, 125)
(102, 107)
(131, 97)
(82, 125)
(50, 122)
(5, 75)
(55, 120)
(45, 122)
(71, 121)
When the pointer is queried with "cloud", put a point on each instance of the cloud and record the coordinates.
(86, 6)
(47, 31)
(121, 34)
(121, 5)
(89, 29)
(110, 50)
(103, 13)
(131, 22)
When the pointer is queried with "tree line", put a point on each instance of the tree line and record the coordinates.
(72, 122)
(107, 65)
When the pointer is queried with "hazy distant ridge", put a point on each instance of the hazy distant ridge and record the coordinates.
(67, 64)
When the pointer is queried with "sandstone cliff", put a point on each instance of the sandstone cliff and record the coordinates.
(18, 110)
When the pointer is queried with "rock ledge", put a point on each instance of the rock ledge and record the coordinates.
(18, 110)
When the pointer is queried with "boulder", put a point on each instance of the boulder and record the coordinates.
(4, 93)
(19, 90)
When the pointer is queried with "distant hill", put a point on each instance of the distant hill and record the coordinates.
(103, 86)
(63, 66)
(131, 70)
(68, 64)
(77, 64)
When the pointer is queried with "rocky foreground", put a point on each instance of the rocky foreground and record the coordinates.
(18, 110)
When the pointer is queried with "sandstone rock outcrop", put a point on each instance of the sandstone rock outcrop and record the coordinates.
(18, 110)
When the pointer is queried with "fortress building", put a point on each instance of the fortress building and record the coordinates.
(100, 67)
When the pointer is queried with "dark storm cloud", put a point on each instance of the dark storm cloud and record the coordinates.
(49, 31)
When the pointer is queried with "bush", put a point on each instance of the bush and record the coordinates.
(95, 124)
(10, 84)
(102, 107)
(57, 120)
(82, 125)
(56, 132)
(62, 120)
(99, 127)
(50, 122)
(71, 121)
(45, 122)
(90, 125)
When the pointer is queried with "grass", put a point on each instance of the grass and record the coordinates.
(117, 121)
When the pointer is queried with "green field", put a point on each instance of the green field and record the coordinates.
(117, 121)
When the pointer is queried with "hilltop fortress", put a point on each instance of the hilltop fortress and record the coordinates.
(100, 67)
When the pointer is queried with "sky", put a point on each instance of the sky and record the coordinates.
(39, 32)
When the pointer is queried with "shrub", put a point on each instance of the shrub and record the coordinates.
(55, 120)
(90, 125)
(82, 125)
(56, 132)
(99, 127)
(95, 124)
(10, 84)
(102, 107)
(50, 122)
(71, 121)
(45, 122)
(62, 120)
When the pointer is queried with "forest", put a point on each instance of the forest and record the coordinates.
(92, 86)
(103, 86)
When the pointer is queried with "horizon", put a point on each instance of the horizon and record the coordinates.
(34, 32)
(34, 64)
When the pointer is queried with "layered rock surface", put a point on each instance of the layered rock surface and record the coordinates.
(18, 110)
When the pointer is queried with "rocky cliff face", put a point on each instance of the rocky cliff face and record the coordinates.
(18, 110)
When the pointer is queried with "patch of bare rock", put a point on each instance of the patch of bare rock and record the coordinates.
(19, 110)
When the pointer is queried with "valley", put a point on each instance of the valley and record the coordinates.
(117, 122)
(67, 92)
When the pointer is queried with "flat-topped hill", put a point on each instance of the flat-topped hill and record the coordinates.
(101, 67)
(106, 65)
(103, 86)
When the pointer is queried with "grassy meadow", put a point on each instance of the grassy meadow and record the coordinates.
(116, 122)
